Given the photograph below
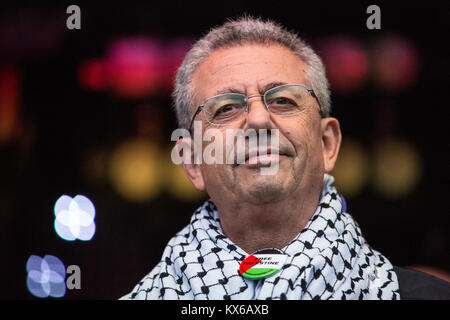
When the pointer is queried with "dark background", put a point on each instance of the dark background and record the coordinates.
(63, 132)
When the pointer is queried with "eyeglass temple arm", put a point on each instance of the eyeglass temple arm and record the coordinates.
(313, 94)
(195, 114)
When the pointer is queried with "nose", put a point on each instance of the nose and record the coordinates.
(258, 117)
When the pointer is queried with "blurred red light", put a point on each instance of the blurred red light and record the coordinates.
(91, 75)
(346, 63)
(134, 66)
(9, 102)
(174, 55)
(396, 63)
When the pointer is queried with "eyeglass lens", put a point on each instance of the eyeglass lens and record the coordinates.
(282, 101)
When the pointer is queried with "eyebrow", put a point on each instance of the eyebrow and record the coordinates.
(261, 89)
(270, 86)
(229, 90)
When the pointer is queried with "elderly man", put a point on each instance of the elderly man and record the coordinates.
(285, 235)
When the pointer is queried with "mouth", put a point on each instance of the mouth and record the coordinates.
(261, 157)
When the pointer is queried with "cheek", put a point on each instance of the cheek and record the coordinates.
(209, 173)
(305, 137)
(314, 143)
(298, 135)
(215, 173)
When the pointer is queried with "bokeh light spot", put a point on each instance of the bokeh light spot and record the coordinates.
(352, 167)
(74, 218)
(46, 276)
(135, 171)
(9, 102)
(397, 168)
(346, 63)
(396, 63)
(92, 75)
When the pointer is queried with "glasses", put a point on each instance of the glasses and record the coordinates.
(283, 101)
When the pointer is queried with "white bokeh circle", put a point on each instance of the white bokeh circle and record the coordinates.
(74, 218)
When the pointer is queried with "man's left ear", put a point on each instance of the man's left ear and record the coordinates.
(331, 141)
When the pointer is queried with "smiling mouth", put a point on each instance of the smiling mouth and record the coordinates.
(262, 157)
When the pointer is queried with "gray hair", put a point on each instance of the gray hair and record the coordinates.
(238, 32)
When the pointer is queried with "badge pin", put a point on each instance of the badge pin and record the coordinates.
(262, 263)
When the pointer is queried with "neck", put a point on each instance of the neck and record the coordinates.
(256, 226)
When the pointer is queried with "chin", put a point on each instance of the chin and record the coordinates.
(268, 191)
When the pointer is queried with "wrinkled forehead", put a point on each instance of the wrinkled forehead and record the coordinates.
(247, 69)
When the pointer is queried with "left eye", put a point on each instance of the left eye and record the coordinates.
(282, 100)
(226, 108)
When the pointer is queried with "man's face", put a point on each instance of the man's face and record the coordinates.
(249, 69)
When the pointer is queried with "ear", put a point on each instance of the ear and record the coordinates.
(331, 142)
(192, 170)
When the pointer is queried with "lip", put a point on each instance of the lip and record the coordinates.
(260, 152)
(262, 157)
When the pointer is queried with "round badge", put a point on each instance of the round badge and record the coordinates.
(262, 264)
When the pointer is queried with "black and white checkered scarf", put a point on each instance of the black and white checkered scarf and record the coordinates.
(328, 259)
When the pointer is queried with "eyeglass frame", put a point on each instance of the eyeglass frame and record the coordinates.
(310, 91)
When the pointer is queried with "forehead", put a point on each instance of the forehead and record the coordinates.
(247, 69)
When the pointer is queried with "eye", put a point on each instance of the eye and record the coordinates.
(228, 108)
(282, 101)
(283, 105)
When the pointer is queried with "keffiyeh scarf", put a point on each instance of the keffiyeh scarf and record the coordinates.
(328, 259)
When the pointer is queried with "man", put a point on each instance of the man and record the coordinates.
(254, 75)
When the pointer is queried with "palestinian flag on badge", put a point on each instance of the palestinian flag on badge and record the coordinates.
(262, 264)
